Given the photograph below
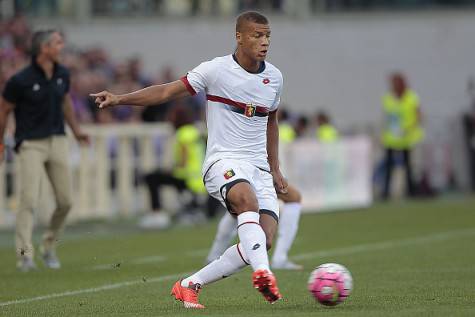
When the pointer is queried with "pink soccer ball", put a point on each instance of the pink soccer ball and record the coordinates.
(330, 284)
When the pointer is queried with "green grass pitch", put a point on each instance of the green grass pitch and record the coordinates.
(407, 259)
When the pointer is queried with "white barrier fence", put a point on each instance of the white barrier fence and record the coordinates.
(331, 176)
(106, 175)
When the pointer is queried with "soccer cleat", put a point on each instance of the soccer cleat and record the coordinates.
(188, 295)
(265, 282)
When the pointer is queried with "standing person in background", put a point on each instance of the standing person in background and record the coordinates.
(39, 97)
(402, 129)
(288, 220)
(325, 132)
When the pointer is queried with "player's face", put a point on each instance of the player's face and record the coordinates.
(54, 46)
(255, 40)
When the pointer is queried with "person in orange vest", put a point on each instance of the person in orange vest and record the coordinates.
(402, 130)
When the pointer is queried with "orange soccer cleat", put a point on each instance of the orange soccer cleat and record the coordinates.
(188, 295)
(265, 282)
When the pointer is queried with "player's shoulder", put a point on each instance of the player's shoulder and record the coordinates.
(217, 60)
(210, 66)
(274, 71)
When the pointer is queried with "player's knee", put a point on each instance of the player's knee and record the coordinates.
(293, 196)
(242, 202)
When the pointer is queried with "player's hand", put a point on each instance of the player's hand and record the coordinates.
(105, 99)
(83, 138)
(280, 183)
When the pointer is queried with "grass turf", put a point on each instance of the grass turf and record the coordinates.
(407, 259)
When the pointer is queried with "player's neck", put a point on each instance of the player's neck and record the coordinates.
(247, 63)
(46, 65)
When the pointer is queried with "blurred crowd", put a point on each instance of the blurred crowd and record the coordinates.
(92, 70)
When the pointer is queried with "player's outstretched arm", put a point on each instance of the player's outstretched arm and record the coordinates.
(153, 95)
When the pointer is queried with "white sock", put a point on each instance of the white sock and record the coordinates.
(253, 240)
(227, 231)
(232, 261)
(288, 226)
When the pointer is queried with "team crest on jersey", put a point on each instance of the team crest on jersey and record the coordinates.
(250, 110)
(229, 173)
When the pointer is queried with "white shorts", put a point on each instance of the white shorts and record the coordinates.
(225, 173)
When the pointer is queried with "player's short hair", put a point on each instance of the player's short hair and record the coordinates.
(39, 38)
(250, 16)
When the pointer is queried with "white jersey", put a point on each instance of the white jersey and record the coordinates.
(238, 106)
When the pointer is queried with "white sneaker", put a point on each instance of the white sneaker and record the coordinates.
(155, 220)
(50, 260)
(26, 264)
(287, 265)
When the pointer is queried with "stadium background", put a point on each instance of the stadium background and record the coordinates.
(335, 56)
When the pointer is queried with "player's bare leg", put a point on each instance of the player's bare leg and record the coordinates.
(256, 234)
(288, 227)
(252, 250)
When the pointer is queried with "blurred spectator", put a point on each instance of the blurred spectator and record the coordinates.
(91, 70)
(401, 131)
(286, 131)
(124, 83)
(325, 132)
(189, 151)
(301, 126)
(154, 114)
(469, 127)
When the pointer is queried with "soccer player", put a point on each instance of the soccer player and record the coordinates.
(241, 167)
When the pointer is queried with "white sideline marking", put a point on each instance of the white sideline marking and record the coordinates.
(93, 289)
(342, 251)
(387, 244)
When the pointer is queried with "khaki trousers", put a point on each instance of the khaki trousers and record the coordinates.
(35, 156)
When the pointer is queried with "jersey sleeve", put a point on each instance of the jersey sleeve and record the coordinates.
(276, 103)
(201, 77)
(12, 90)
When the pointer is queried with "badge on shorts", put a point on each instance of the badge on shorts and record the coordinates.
(250, 110)
(229, 173)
